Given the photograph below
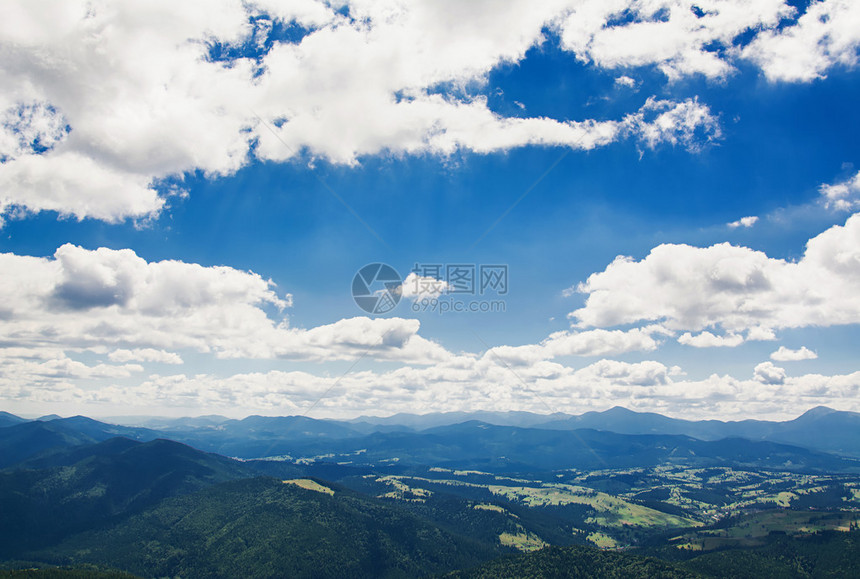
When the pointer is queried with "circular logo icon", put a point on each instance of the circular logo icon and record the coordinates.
(376, 288)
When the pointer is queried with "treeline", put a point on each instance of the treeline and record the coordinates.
(87, 572)
(824, 554)
(830, 554)
(576, 563)
(264, 528)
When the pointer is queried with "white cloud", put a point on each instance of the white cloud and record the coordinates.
(784, 354)
(147, 310)
(417, 287)
(475, 383)
(688, 123)
(597, 342)
(81, 298)
(119, 96)
(131, 81)
(679, 37)
(48, 373)
(308, 13)
(827, 34)
(734, 288)
(744, 222)
(686, 37)
(843, 196)
(761, 334)
(612, 374)
(145, 355)
(767, 373)
(29, 128)
(378, 338)
(709, 340)
(436, 124)
(76, 185)
(625, 81)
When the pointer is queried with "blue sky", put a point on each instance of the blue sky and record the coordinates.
(241, 169)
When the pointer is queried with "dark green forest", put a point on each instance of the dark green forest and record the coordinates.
(76, 500)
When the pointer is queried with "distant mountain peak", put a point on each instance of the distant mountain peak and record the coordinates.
(7, 419)
(49, 417)
(817, 412)
(620, 410)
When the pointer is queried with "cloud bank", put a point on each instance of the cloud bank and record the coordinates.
(730, 288)
(107, 327)
(103, 101)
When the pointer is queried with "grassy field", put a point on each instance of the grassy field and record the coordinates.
(522, 541)
(621, 508)
(310, 485)
(602, 540)
(610, 511)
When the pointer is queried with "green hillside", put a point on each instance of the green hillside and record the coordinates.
(265, 528)
(96, 484)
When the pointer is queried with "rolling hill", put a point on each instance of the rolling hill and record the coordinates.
(263, 527)
(7, 419)
(86, 486)
(29, 439)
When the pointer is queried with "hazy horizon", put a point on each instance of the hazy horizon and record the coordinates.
(140, 419)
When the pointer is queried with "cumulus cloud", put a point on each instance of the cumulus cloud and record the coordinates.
(827, 34)
(596, 342)
(145, 355)
(27, 129)
(679, 37)
(615, 374)
(101, 104)
(843, 196)
(418, 287)
(625, 81)
(709, 340)
(732, 288)
(767, 373)
(784, 354)
(77, 185)
(744, 222)
(95, 299)
(379, 338)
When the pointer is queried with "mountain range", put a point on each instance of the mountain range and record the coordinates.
(407, 496)
(820, 428)
(820, 439)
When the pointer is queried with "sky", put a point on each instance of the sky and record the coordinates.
(336, 209)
